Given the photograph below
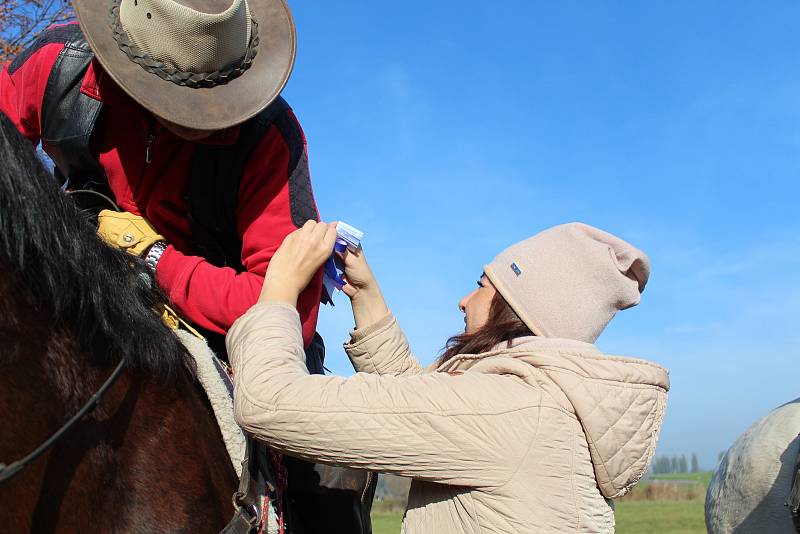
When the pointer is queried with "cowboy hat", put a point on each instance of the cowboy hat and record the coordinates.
(203, 64)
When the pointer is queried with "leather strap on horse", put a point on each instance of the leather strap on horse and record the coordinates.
(245, 500)
(256, 481)
(7, 472)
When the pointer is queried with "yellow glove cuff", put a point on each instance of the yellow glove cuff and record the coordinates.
(127, 231)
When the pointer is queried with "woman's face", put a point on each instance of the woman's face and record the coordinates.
(475, 306)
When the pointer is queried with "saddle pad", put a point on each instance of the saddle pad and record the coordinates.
(219, 391)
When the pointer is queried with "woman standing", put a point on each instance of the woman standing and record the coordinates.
(521, 426)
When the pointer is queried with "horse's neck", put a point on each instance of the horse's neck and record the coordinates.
(148, 458)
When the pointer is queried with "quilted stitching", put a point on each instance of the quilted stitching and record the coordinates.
(500, 450)
(613, 442)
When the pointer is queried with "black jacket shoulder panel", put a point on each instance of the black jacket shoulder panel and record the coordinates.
(301, 196)
(69, 117)
(58, 34)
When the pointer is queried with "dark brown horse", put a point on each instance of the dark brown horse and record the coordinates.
(149, 458)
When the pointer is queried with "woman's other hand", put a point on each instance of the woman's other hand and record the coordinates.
(362, 288)
(357, 274)
(296, 261)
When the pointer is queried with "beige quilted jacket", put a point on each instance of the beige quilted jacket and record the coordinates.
(534, 438)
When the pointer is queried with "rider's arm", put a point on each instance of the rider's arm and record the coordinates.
(274, 199)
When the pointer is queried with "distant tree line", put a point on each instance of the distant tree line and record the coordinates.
(663, 465)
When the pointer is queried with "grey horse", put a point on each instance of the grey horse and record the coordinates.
(750, 488)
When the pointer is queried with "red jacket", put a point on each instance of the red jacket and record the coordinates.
(210, 296)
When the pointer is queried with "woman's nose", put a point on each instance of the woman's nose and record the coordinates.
(462, 304)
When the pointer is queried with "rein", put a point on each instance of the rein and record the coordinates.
(7, 472)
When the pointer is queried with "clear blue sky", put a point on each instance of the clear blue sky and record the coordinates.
(449, 130)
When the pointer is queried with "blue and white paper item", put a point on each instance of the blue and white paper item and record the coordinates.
(347, 237)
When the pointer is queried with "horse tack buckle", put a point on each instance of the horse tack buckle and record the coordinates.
(254, 519)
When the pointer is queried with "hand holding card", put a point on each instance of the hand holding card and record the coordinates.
(347, 238)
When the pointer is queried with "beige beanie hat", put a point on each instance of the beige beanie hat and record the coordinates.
(570, 280)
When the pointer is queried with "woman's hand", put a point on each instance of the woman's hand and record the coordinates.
(357, 274)
(362, 288)
(296, 261)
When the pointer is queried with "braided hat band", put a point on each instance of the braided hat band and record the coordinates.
(159, 51)
(193, 80)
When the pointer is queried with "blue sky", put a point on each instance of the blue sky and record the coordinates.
(449, 130)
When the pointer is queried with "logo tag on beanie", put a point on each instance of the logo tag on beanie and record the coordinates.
(516, 269)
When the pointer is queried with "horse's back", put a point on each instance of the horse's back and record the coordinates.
(754, 478)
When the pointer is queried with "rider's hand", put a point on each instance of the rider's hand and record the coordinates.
(296, 261)
(132, 233)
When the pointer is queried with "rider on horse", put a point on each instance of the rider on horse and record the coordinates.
(172, 109)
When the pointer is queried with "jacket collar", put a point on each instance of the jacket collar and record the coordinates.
(549, 343)
(523, 346)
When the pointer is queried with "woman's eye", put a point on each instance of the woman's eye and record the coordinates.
(479, 284)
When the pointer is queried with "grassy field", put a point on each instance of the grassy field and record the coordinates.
(637, 517)
(386, 523)
(659, 517)
(634, 516)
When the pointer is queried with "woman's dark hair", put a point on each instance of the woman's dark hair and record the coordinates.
(502, 324)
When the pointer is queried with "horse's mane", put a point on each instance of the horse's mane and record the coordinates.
(103, 295)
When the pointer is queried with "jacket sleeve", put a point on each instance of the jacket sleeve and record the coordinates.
(22, 85)
(469, 430)
(382, 348)
(275, 198)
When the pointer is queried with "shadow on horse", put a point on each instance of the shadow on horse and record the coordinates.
(150, 457)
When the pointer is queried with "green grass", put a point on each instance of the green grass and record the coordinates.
(659, 517)
(386, 523)
(636, 517)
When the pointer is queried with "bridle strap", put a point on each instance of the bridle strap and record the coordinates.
(7, 472)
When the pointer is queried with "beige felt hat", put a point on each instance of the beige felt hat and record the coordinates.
(570, 280)
(204, 64)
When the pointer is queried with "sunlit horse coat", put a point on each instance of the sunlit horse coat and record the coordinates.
(753, 481)
(534, 438)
